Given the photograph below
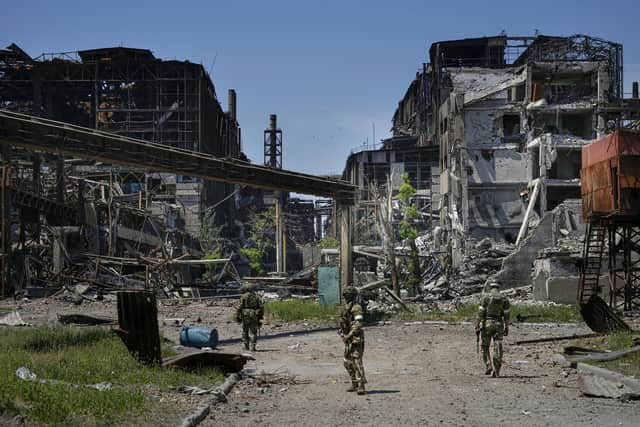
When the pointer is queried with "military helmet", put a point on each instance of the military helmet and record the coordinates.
(248, 287)
(494, 285)
(349, 291)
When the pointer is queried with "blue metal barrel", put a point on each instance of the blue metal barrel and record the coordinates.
(196, 336)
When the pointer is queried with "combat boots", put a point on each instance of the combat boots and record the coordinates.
(253, 346)
(246, 345)
(361, 389)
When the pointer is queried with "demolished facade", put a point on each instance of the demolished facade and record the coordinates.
(65, 209)
(510, 116)
(130, 92)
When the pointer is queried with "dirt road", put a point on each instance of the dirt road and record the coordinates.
(419, 374)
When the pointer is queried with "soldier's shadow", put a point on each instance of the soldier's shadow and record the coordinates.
(265, 350)
(382, 391)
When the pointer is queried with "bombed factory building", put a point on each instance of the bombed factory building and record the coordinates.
(510, 116)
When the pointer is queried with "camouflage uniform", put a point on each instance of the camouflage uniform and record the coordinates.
(493, 315)
(353, 337)
(250, 313)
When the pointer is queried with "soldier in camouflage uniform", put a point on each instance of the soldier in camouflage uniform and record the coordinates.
(352, 334)
(250, 312)
(493, 324)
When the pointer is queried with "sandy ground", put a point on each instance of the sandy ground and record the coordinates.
(419, 374)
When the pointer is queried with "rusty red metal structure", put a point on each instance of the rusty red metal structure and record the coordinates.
(610, 178)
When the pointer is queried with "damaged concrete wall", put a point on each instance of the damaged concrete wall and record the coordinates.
(516, 268)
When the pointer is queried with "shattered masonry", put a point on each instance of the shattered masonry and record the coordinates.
(510, 116)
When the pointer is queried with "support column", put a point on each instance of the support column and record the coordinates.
(279, 244)
(346, 260)
(5, 222)
(60, 180)
(543, 176)
(37, 191)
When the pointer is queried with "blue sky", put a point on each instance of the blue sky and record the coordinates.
(329, 69)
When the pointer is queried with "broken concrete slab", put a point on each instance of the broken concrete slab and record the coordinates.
(13, 319)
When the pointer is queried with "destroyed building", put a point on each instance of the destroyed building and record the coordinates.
(65, 209)
(372, 169)
(132, 93)
(510, 116)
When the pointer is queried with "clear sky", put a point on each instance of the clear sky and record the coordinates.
(329, 69)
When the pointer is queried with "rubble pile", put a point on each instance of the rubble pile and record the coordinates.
(481, 261)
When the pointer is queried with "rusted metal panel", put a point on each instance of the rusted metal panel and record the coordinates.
(617, 144)
(610, 175)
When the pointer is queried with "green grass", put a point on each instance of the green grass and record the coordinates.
(296, 310)
(629, 365)
(468, 312)
(76, 358)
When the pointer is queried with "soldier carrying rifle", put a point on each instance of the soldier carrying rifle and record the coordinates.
(352, 334)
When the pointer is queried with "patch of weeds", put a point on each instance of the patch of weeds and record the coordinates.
(464, 312)
(296, 310)
(469, 312)
(50, 339)
(628, 365)
(77, 358)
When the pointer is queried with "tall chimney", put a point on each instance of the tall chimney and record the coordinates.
(232, 104)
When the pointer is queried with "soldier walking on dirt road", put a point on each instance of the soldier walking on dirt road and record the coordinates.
(250, 312)
(493, 324)
(352, 334)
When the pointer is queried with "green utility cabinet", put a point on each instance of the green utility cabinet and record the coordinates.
(329, 285)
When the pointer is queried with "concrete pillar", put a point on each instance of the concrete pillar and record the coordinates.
(279, 243)
(346, 260)
(543, 176)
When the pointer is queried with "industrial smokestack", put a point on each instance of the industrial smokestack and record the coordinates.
(232, 104)
(634, 90)
(273, 141)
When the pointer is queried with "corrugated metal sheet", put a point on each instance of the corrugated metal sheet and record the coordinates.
(619, 143)
(610, 175)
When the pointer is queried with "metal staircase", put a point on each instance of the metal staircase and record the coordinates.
(591, 261)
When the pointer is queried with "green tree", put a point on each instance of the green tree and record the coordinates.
(260, 238)
(328, 242)
(409, 232)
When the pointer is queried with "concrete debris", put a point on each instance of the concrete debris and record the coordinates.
(13, 319)
(596, 386)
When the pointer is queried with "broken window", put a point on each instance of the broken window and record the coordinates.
(510, 124)
(577, 124)
(567, 165)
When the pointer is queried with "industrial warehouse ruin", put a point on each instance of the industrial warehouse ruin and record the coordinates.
(174, 253)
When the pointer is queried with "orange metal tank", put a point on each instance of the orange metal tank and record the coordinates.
(610, 175)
